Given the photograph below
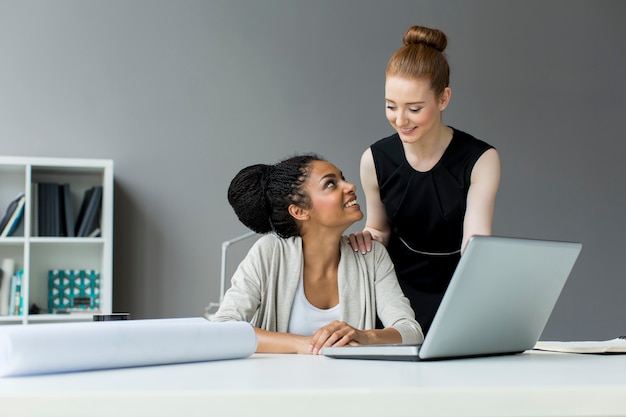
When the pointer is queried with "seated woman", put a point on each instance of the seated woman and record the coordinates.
(302, 286)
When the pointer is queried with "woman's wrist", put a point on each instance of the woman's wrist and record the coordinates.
(385, 336)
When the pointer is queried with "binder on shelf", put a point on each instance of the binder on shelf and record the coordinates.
(12, 216)
(42, 215)
(89, 212)
(54, 211)
(39, 189)
(55, 208)
(48, 209)
(68, 224)
(83, 210)
(34, 226)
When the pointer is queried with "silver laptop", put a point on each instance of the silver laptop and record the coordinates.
(498, 302)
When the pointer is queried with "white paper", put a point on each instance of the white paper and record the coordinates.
(66, 347)
(617, 345)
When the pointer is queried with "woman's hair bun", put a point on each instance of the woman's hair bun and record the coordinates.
(261, 194)
(430, 37)
(247, 196)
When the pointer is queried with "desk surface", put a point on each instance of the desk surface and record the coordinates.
(532, 383)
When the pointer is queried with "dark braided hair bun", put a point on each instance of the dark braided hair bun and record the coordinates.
(261, 194)
(247, 196)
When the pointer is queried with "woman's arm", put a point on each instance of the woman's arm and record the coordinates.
(376, 225)
(275, 342)
(376, 222)
(336, 333)
(481, 197)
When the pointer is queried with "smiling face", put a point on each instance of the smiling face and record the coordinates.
(332, 199)
(412, 107)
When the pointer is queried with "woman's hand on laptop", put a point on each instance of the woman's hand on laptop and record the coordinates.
(336, 333)
(339, 333)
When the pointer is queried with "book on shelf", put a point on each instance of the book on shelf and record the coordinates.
(88, 216)
(12, 215)
(610, 346)
(15, 219)
(7, 270)
(16, 299)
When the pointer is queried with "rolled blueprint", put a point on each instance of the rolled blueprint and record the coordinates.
(66, 347)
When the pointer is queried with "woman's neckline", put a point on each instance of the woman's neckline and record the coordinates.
(436, 164)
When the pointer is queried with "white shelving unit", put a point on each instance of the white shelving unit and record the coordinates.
(37, 255)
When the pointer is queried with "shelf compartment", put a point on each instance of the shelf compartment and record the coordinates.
(61, 253)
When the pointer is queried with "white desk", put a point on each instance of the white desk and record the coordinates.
(530, 384)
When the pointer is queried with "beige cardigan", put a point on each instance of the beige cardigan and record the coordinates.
(264, 286)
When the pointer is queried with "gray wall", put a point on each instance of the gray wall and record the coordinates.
(182, 94)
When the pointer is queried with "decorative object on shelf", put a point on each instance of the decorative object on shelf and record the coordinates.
(73, 290)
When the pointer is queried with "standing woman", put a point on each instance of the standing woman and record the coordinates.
(301, 285)
(428, 187)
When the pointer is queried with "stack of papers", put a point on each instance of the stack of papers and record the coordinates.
(617, 345)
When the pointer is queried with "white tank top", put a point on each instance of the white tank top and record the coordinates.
(305, 318)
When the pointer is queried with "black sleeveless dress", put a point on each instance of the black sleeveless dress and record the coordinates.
(425, 211)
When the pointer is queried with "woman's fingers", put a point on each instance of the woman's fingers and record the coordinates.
(335, 333)
(360, 241)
